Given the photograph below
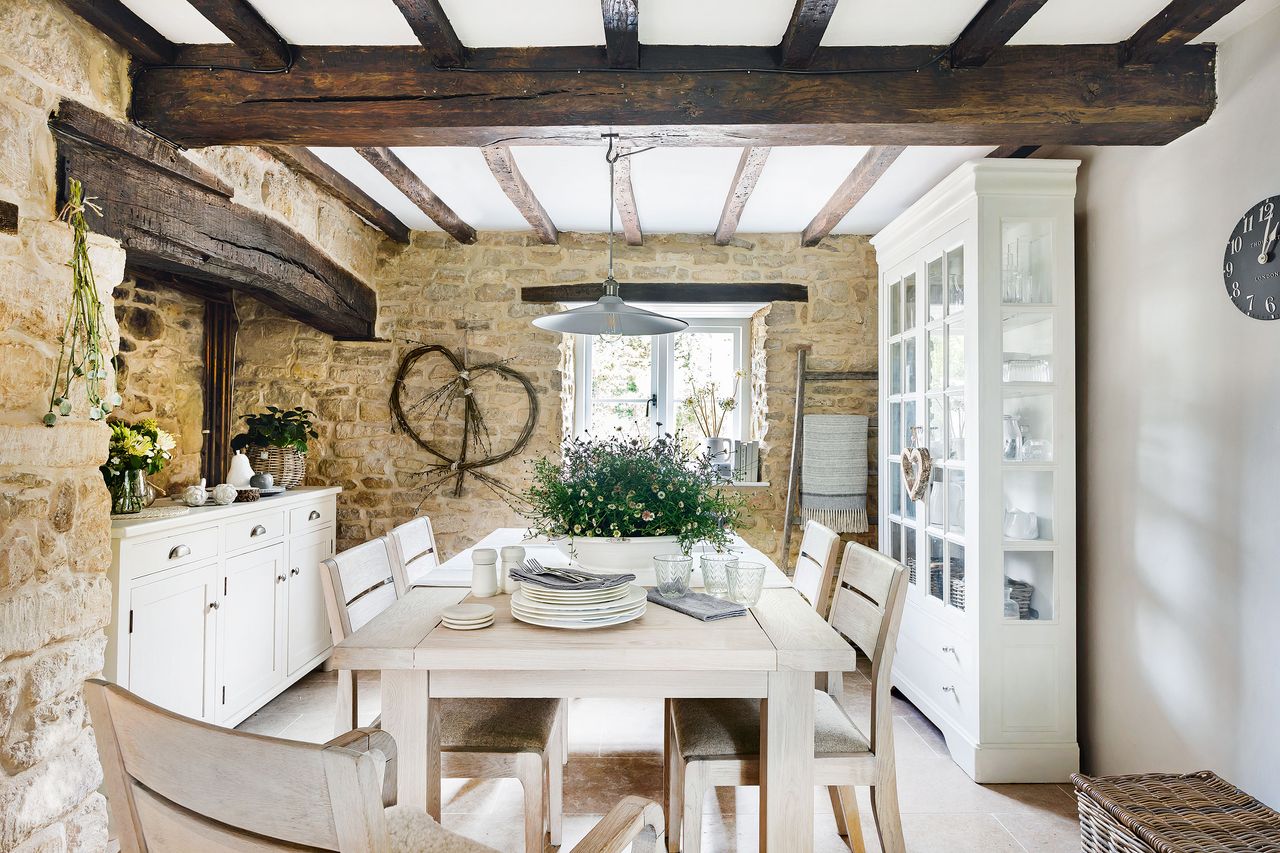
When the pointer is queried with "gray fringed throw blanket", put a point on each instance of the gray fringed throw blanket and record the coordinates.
(833, 475)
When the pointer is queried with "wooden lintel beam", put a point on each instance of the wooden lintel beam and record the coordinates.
(670, 292)
(800, 42)
(1013, 152)
(1175, 25)
(503, 165)
(335, 183)
(750, 165)
(119, 23)
(990, 30)
(863, 177)
(432, 27)
(169, 222)
(621, 32)
(248, 31)
(364, 96)
(407, 181)
(624, 199)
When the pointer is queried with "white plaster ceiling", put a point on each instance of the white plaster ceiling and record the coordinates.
(678, 190)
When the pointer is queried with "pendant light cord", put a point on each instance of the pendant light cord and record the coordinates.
(612, 160)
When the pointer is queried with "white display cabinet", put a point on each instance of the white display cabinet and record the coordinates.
(977, 337)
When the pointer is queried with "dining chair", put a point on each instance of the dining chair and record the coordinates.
(814, 572)
(479, 738)
(414, 554)
(177, 784)
(716, 742)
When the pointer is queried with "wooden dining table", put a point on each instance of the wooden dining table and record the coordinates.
(772, 655)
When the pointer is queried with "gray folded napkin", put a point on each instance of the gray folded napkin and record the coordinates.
(550, 581)
(699, 605)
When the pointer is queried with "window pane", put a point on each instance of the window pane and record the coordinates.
(935, 360)
(934, 434)
(609, 417)
(895, 296)
(955, 278)
(934, 273)
(706, 380)
(909, 549)
(909, 302)
(935, 567)
(895, 488)
(621, 367)
(910, 364)
(955, 354)
(895, 368)
(955, 426)
(955, 501)
(895, 428)
(908, 421)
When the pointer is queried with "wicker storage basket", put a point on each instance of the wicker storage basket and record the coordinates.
(287, 467)
(1171, 813)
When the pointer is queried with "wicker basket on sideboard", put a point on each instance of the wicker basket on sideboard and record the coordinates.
(287, 467)
(1172, 813)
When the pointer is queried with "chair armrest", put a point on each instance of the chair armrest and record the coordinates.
(379, 743)
(634, 822)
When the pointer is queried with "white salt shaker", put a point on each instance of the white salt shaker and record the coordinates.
(484, 572)
(512, 557)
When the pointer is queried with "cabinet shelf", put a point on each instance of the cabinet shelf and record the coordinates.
(1029, 544)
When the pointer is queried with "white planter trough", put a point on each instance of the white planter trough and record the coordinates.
(626, 554)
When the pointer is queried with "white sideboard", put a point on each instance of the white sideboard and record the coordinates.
(217, 611)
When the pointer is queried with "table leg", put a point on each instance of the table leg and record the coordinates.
(408, 715)
(786, 764)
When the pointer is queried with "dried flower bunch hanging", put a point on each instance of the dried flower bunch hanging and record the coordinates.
(86, 347)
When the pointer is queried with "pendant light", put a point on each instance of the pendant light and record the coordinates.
(609, 315)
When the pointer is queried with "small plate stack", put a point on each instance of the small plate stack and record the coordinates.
(578, 609)
(467, 617)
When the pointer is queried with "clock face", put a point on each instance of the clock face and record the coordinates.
(1250, 266)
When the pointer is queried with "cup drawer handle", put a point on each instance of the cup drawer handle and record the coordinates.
(179, 551)
(258, 530)
(313, 515)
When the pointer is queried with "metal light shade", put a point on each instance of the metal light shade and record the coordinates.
(609, 315)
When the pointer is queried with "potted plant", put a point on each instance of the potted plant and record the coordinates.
(134, 452)
(615, 503)
(276, 443)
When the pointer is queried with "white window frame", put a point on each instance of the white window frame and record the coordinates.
(662, 376)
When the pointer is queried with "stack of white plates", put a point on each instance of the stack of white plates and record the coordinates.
(571, 608)
(467, 617)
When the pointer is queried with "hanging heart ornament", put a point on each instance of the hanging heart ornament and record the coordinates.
(917, 466)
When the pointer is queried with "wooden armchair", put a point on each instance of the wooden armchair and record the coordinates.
(177, 784)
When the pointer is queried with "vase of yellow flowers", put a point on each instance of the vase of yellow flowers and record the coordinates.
(135, 451)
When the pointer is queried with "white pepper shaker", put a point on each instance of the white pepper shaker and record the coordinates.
(512, 557)
(484, 572)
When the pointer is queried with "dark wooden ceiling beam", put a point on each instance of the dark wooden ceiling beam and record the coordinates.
(248, 31)
(432, 27)
(1176, 25)
(750, 165)
(621, 32)
(863, 177)
(804, 33)
(118, 23)
(407, 181)
(338, 185)
(363, 96)
(990, 30)
(669, 292)
(624, 199)
(1014, 151)
(503, 165)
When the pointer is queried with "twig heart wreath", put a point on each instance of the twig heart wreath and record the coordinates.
(475, 451)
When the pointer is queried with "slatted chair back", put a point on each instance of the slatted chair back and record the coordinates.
(360, 583)
(413, 551)
(868, 610)
(179, 784)
(816, 565)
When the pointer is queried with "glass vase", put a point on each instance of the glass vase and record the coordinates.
(128, 492)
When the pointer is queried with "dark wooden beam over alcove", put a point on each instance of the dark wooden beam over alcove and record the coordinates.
(173, 216)
(670, 292)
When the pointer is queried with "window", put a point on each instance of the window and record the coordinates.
(640, 383)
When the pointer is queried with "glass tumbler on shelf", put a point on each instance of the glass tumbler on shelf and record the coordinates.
(746, 583)
(673, 572)
(715, 573)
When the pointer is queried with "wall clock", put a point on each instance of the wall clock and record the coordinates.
(1250, 267)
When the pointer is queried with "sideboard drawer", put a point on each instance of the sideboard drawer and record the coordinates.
(178, 549)
(311, 516)
(254, 530)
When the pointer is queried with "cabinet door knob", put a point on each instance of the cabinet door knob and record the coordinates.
(258, 530)
(213, 605)
(295, 571)
(281, 578)
(179, 551)
(313, 515)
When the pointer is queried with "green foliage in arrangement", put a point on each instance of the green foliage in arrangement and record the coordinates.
(277, 427)
(137, 447)
(625, 486)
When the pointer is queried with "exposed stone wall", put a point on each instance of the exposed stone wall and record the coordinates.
(428, 291)
(161, 369)
(54, 509)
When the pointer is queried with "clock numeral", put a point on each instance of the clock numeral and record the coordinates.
(1237, 243)
(1235, 290)
(1248, 223)
(1250, 304)
(1271, 305)
(1230, 269)
(1265, 210)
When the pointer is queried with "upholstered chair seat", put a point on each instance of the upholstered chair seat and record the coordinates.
(497, 725)
(706, 728)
